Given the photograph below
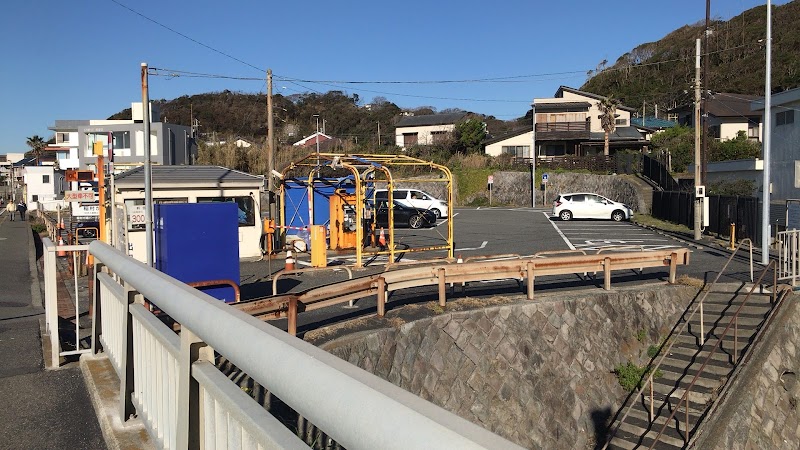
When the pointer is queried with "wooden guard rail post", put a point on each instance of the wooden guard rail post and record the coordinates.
(518, 269)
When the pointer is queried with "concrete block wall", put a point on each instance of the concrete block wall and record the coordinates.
(539, 373)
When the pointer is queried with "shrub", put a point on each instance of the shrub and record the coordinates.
(39, 228)
(631, 377)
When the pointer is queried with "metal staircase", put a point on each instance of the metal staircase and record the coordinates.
(694, 367)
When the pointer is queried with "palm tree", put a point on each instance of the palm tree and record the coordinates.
(608, 117)
(36, 143)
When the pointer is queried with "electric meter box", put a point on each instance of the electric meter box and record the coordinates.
(198, 242)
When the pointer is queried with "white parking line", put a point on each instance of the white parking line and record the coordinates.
(569, 244)
(483, 245)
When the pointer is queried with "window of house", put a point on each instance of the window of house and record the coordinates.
(121, 139)
(621, 122)
(518, 151)
(553, 150)
(35, 198)
(410, 139)
(45, 179)
(752, 131)
(246, 205)
(784, 117)
(714, 131)
(62, 138)
(437, 137)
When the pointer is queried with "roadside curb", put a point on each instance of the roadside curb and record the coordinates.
(102, 384)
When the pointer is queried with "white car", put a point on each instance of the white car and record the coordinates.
(416, 199)
(585, 205)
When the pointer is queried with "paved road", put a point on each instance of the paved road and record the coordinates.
(39, 409)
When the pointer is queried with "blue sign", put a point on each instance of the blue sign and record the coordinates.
(544, 178)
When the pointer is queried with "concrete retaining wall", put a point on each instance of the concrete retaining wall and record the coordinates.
(762, 410)
(539, 373)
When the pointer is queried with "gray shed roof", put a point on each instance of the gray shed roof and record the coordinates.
(189, 177)
(430, 119)
(619, 134)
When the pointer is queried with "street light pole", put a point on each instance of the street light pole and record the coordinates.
(765, 184)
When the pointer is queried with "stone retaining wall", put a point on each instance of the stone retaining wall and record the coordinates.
(539, 373)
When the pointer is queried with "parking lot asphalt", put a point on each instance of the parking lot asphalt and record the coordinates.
(498, 231)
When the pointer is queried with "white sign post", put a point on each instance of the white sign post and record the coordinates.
(490, 182)
(545, 176)
(136, 216)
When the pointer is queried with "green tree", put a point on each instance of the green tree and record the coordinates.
(739, 147)
(608, 118)
(678, 142)
(469, 134)
(36, 143)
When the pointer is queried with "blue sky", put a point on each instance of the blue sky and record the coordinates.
(81, 59)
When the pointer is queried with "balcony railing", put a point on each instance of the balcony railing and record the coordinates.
(562, 127)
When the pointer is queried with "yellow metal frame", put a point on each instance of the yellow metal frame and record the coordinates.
(362, 166)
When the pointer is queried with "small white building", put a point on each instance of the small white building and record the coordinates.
(189, 184)
(426, 130)
(43, 185)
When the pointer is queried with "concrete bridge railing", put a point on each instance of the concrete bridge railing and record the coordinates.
(170, 381)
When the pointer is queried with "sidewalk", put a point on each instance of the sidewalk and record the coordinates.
(41, 409)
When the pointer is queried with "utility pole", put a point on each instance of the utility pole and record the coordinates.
(148, 168)
(704, 103)
(697, 159)
(533, 153)
(379, 134)
(270, 133)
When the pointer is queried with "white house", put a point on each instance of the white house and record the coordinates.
(568, 124)
(170, 144)
(190, 184)
(728, 114)
(425, 130)
(43, 184)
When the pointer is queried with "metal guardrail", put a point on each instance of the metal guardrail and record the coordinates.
(50, 251)
(170, 380)
(788, 243)
(527, 268)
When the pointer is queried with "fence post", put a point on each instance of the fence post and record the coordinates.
(442, 298)
(51, 304)
(188, 427)
(126, 373)
(607, 273)
(530, 270)
(381, 285)
(673, 267)
(97, 324)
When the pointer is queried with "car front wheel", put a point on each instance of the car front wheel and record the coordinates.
(415, 221)
(565, 215)
(617, 216)
(437, 213)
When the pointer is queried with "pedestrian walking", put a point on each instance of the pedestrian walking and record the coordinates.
(22, 208)
(11, 208)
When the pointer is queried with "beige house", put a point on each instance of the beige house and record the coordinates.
(425, 130)
(188, 184)
(568, 124)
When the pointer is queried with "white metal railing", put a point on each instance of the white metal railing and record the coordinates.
(171, 383)
(51, 300)
(788, 243)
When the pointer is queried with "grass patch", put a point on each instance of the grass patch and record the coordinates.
(650, 221)
(686, 280)
(631, 376)
(39, 228)
(641, 335)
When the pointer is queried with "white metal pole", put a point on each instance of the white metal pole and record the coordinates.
(767, 134)
(697, 159)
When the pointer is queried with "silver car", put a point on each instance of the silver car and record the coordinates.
(586, 205)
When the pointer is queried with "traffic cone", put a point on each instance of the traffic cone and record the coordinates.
(459, 260)
(382, 239)
(61, 244)
(61, 224)
(289, 261)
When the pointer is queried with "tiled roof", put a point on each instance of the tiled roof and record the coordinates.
(430, 119)
(188, 176)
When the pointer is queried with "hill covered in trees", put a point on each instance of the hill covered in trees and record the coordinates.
(662, 72)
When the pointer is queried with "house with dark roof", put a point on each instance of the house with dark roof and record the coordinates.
(191, 184)
(728, 114)
(426, 130)
(568, 124)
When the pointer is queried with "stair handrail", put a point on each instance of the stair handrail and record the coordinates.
(734, 321)
(665, 352)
